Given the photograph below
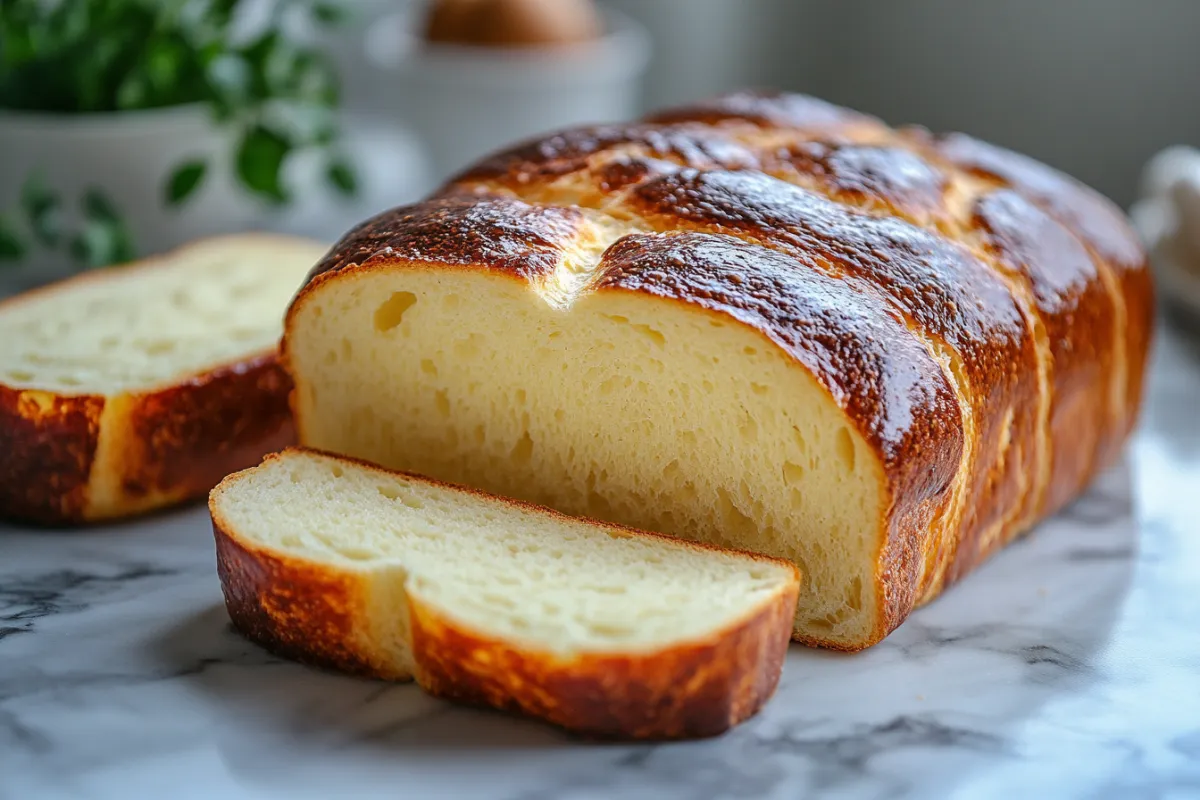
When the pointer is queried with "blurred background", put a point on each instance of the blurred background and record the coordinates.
(128, 126)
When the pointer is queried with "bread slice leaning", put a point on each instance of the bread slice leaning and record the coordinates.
(597, 628)
(132, 388)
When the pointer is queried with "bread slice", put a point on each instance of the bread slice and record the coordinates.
(600, 629)
(132, 388)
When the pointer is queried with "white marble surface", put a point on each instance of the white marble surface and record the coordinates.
(1068, 667)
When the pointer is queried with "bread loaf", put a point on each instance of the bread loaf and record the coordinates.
(135, 387)
(599, 629)
(764, 322)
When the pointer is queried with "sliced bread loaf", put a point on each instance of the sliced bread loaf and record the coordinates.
(132, 388)
(597, 628)
(766, 323)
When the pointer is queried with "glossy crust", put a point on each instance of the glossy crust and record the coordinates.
(1079, 321)
(506, 234)
(157, 449)
(181, 441)
(1115, 248)
(73, 459)
(47, 444)
(1024, 290)
(318, 614)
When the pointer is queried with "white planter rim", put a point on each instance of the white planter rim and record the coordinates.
(186, 114)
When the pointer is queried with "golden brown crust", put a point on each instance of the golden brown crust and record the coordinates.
(570, 151)
(295, 608)
(318, 615)
(1028, 290)
(685, 692)
(1078, 317)
(184, 439)
(505, 234)
(47, 444)
(163, 447)
(1103, 229)
(886, 179)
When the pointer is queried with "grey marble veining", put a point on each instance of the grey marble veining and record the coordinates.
(1069, 666)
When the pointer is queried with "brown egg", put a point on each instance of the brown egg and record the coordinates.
(512, 23)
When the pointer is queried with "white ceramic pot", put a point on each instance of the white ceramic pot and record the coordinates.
(464, 102)
(129, 156)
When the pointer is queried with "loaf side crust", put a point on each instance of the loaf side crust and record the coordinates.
(69, 460)
(177, 443)
(47, 448)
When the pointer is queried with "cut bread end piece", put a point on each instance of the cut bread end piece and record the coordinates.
(600, 629)
(132, 388)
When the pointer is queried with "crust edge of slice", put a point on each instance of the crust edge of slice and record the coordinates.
(318, 614)
(81, 459)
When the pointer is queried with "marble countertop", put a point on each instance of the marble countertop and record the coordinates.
(1069, 666)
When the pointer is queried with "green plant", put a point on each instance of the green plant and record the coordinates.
(100, 238)
(276, 90)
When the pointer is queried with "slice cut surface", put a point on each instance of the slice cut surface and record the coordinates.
(594, 627)
(145, 326)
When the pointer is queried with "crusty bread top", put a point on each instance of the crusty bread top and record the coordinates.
(155, 322)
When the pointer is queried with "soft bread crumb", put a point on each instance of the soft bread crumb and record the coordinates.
(150, 325)
(514, 572)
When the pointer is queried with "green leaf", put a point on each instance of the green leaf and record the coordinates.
(230, 76)
(42, 208)
(101, 243)
(90, 247)
(12, 248)
(343, 177)
(18, 46)
(163, 63)
(259, 56)
(329, 13)
(313, 79)
(132, 93)
(98, 206)
(185, 180)
(259, 161)
(104, 239)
